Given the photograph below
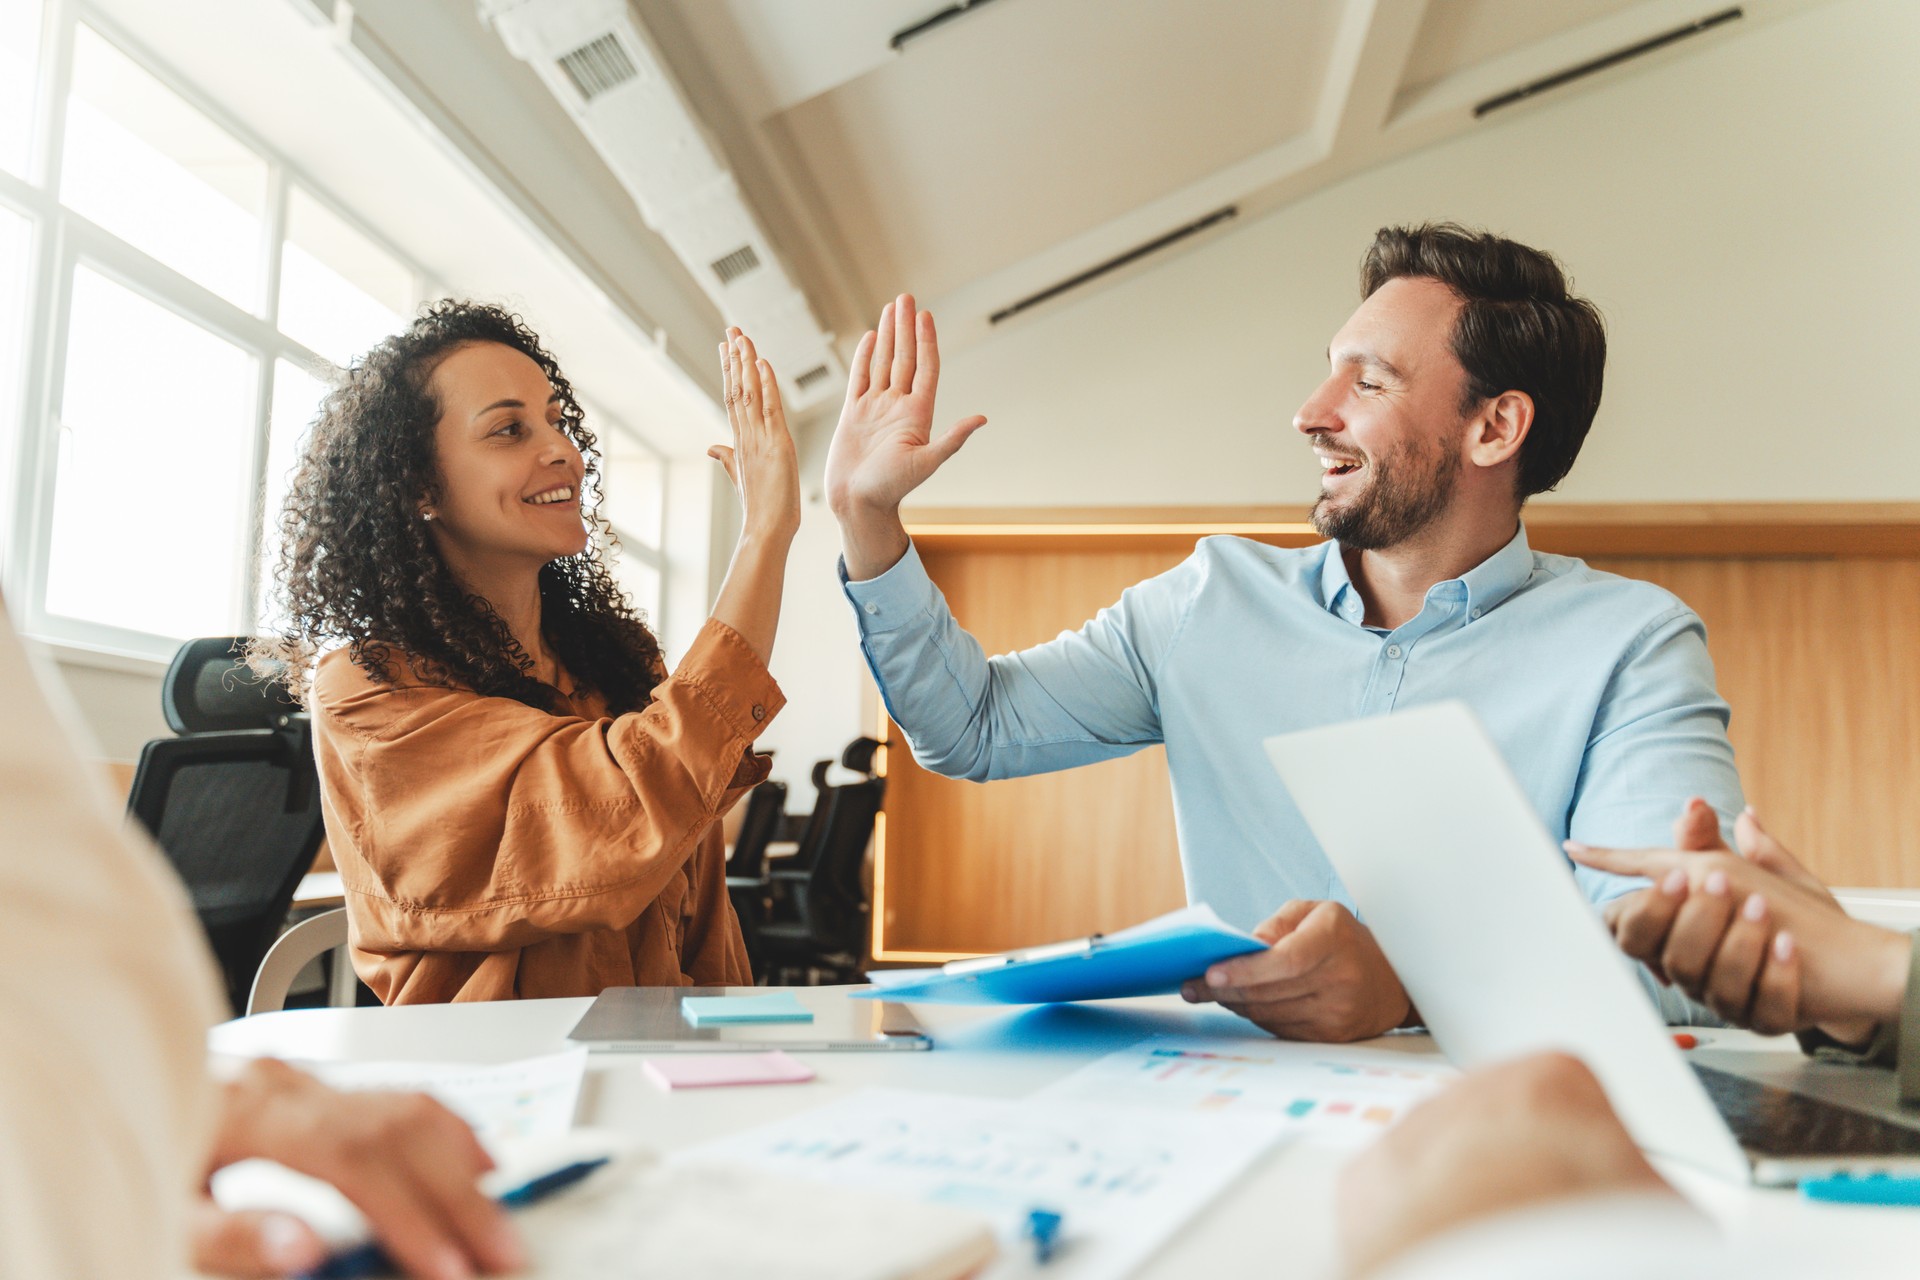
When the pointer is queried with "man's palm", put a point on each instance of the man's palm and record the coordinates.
(883, 448)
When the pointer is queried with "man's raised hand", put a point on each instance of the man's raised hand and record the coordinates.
(884, 447)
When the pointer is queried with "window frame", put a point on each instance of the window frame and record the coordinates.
(60, 241)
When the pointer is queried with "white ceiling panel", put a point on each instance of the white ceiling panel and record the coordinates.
(1458, 34)
(1034, 120)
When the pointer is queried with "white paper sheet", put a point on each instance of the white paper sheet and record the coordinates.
(1335, 1093)
(504, 1102)
(1124, 1180)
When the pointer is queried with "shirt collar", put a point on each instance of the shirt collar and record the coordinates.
(1486, 585)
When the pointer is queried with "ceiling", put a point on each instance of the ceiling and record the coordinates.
(1025, 142)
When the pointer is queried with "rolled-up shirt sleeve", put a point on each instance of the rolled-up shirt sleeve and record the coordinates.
(1085, 696)
(481, 824)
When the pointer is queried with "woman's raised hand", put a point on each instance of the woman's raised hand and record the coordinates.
(761, 463)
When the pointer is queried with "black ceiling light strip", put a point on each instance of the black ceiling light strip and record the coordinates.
(1132, 255)
(940, 19)
(1605, 61)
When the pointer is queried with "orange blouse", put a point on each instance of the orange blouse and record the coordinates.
(491, 850)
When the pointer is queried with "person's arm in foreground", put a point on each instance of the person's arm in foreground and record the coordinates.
(1757, 937)
(406, 1162)
(1518, 1170)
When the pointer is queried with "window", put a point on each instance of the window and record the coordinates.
(153, 470)
(176, 394)
(634, 479)
(339, 291)
(296, 403)
(15, 235)
(19, 47)
(174, 294)
(160, 175)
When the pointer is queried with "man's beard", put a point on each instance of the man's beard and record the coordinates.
(1406, 492)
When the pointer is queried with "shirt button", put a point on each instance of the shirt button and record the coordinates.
(1478, 612)
(759, 712)
(1393, 651)
(872, 607)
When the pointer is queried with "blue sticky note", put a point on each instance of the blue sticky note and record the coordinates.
(782, 1006)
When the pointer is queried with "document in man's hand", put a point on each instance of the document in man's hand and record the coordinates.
(1148, 959)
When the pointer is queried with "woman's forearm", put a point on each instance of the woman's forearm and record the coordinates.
(749, 599)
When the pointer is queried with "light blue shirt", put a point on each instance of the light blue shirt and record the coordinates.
(1597, 689)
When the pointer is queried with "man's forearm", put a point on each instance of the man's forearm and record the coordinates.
(873, 540)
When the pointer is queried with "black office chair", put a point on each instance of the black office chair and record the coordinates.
(825, 936)
(234, 801)
(765, 817)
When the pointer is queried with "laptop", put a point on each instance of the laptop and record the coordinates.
(650, 1020)
(1478, 911)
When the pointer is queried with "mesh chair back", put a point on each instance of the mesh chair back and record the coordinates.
(766, 811)
(836, 899)
(237, 810)
(816, 829)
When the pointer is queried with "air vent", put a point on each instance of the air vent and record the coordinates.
(1606, 61)
(1132, 255)
(598, 66)
(816, 374)
(736, 264)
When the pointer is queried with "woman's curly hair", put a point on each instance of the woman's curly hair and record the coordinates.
(356, 563)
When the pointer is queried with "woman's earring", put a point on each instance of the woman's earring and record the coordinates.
(426, 515)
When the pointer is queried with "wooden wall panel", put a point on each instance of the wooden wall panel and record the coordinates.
(1820, 661)
(973, 868)
(1819, 658)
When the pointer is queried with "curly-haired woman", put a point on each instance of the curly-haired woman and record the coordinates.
(521, 800)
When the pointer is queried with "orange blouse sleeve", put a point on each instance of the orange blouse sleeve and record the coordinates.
(478, 823)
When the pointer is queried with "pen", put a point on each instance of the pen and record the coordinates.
(1874, 1188)
(1043, 1228)
(370, 1259)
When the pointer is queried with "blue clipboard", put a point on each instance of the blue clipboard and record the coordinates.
(1149, 959)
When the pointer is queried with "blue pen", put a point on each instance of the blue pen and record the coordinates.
(1873, 1188)
(370, 1259)
(1043, 1228)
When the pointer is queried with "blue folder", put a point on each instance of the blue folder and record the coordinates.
(1149, 959)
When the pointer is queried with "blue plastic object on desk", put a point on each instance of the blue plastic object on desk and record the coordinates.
(1872, 1188)
(1149, 959)
(1043, 1228)
(781, 1006)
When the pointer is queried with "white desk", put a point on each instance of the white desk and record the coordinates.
(1279, 1218)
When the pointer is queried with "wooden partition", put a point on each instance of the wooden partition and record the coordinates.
(1813, 617)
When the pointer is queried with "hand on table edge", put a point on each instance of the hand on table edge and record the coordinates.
(1322, 977)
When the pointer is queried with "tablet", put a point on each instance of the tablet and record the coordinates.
(650, 1020)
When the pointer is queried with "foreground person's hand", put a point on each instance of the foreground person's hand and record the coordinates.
(1507, 1137)
(406, 1162)
(1755, 937)
(1323, 977)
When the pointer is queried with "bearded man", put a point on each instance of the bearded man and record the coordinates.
(1464, 384)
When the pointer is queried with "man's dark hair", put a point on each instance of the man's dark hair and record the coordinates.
(1520, 329)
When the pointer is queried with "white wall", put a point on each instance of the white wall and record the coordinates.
(1747, 218)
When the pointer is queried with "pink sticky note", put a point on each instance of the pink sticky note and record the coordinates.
(704, 1070)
